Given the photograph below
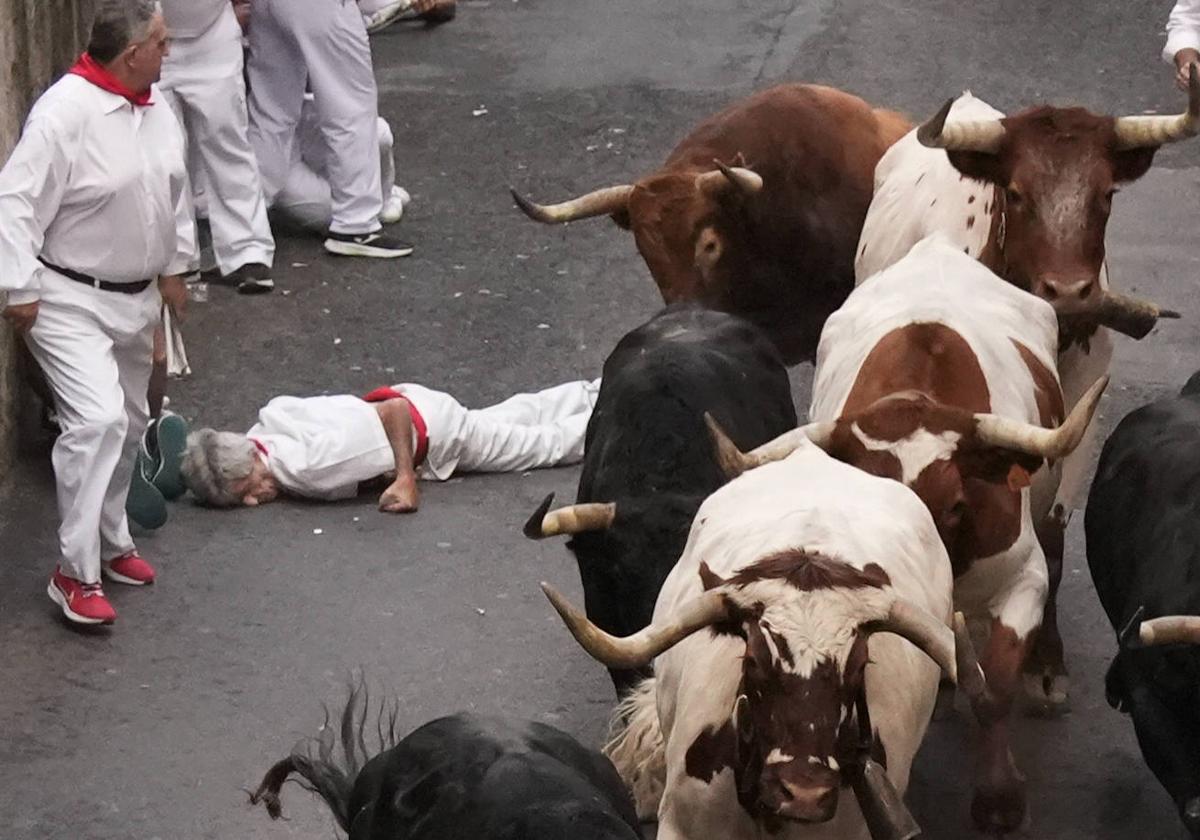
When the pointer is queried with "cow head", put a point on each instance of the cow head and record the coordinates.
(684, 222)
(1055, 171)
(967, 467)
(805, 620)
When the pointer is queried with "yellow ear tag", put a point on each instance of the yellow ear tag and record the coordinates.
(1018, 477)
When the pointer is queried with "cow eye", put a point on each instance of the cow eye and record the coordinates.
(1013, 196)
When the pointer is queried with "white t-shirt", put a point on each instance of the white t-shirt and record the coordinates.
(190, 18)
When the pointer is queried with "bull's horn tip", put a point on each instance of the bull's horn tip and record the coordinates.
(1171, 313)
(533, 528)
(1146, 632)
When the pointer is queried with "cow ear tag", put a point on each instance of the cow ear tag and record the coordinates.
(1018, 477)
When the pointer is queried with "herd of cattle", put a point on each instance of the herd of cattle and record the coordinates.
(779, 605)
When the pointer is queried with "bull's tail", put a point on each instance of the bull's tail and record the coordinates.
(317, 768)
(636, 748)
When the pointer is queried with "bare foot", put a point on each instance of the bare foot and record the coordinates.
(401, 497)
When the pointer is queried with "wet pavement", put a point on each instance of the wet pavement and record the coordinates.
(154, 729)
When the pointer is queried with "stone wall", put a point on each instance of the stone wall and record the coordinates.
(38, 40)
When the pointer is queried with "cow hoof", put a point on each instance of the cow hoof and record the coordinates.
(1049, 695)
(1000, 810)
(1190, 814)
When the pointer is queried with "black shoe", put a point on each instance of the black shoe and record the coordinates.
(375, 244)
(252, 279)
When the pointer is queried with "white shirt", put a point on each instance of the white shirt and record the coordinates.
(322, 447)
(190, 18)
(95, 185)
(1183, 29)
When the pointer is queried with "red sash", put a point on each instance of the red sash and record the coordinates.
(94, 72)
(387, 393)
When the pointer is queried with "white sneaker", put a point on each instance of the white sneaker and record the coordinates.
(386, 16)
(394, 208)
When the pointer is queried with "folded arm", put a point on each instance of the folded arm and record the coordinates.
(402, 495)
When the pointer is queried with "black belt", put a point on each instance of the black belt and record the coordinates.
(133, 288)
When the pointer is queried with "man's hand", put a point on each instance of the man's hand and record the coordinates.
(1184, 59)
(174, 293)
(241, 9)
(401, 496)
(22, 316)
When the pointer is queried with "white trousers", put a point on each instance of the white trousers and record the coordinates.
(95, 349)
(203, 82)
(305, 198)
(321, 43)
(525, 432)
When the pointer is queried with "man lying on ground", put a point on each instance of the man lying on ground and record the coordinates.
(325, 447)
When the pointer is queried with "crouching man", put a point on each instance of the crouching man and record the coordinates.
(325, 447)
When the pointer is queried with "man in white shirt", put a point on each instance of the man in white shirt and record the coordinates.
(204, 84)
(93, 237)
(320, 45)
(1183, 40)
(325, 447)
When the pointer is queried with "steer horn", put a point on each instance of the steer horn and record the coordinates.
(1050, 444)
(1146, 131)
(1127, 315)
(915, 624)
(734, 462)
(746, 181)
(640, 648)
(960, 136)
(572, 519)
(1171, 629)
(597, 203)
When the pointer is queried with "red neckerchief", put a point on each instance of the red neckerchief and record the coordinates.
(385, 393)
(94, 72)
(258, 444)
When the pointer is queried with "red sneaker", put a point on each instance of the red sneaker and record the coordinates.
(83, 603)
(129, 568)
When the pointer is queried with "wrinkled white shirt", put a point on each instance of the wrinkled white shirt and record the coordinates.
(191, 18)
(94, 185)
(1183, 29)
(323, 447)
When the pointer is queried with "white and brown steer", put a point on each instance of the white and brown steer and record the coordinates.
(940, 375)
(764, 632)
(1029, 196)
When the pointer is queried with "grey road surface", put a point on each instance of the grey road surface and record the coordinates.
(154, 730)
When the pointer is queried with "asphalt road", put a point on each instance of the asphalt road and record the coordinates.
(154, 730)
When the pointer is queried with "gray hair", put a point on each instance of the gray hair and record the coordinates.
(213, 461)
(117, 24)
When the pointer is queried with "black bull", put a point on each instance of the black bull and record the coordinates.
(1143, 547)
(649, 453)
(457, 777)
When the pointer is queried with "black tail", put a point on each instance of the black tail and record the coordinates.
(319, 770)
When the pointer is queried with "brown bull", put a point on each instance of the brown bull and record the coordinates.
(758, 210)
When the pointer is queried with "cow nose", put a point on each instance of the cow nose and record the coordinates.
(814, 803)
(1064, 291)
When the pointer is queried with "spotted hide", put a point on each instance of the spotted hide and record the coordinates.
(756, 712)
(903, 368)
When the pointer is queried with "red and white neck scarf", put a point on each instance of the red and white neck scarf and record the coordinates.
(95, 72)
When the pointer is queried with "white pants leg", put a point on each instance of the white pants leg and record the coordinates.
(549, 431)
(549, 405)
(277, 81)
(204, 76)
(330, 41)
(95, 349)
(305, 198)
